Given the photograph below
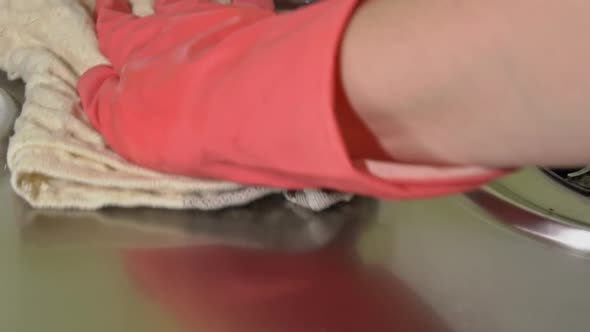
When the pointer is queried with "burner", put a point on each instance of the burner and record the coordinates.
(576, 179)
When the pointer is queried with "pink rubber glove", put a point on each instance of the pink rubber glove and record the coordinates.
(242, 94)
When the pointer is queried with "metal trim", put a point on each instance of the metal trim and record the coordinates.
(573, 238)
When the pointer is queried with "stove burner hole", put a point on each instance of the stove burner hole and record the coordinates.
(576, 179)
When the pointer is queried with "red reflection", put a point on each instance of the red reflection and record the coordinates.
(222, 289)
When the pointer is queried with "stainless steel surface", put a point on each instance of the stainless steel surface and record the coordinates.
(389, 266)
(454, 264)
(14, 87)
(16, 90)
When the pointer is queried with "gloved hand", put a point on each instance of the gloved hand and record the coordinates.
(242, 94)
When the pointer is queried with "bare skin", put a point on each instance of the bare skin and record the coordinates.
(501, 83)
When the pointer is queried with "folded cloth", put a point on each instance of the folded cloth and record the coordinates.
(56, 158)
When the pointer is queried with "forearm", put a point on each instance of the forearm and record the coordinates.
(465, 82)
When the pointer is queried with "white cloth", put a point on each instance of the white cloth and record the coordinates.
(57, 160)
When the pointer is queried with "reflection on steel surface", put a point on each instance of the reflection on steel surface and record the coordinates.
(218, 288)
(270, 223)
(545, 228)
